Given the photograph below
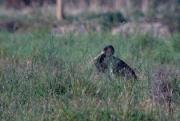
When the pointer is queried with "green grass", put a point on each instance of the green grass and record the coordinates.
(46, 78)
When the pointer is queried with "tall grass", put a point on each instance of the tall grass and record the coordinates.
(45, 78)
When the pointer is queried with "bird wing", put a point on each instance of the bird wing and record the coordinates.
(123, 68)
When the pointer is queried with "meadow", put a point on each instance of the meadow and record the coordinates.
(44, 77)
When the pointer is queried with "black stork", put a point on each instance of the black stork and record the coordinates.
(107, 61)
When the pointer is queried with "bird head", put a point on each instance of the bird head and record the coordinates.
(108, 50)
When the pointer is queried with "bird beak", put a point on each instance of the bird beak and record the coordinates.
(102, 52)
(95, 58)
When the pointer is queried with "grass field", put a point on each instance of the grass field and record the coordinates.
(49, 78)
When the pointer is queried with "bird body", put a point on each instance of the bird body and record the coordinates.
(123, 69)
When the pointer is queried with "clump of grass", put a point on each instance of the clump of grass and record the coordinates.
(162, 86)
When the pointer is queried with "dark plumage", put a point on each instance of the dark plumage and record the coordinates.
(106, 61)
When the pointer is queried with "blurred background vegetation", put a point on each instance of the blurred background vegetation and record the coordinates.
(46, 48)
(162, 12)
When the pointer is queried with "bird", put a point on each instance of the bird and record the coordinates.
(107, 62)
